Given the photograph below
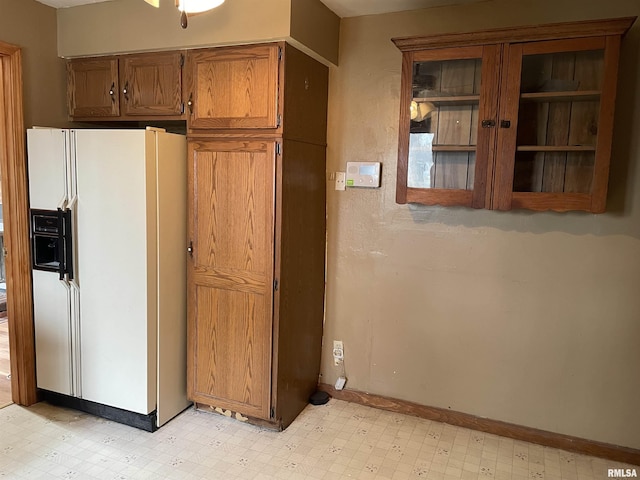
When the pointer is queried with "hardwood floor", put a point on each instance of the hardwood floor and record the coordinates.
(3, 294)
(5, 382)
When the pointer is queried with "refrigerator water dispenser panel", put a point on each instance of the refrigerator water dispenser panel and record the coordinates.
(46, 253)
(45, 221)
(46, 239)
(51, 241)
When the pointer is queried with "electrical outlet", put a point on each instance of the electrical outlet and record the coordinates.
(340, 180)
(338, 352)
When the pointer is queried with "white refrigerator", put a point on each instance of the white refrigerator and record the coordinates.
(108, 221)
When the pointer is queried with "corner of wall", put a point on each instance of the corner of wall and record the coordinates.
(316, 27)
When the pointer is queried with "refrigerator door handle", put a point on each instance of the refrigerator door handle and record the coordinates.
(76, 359)
(61, 244)
(68, 244)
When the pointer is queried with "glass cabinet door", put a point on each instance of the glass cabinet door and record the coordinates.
(443, 146)
(554, 115)
(558, 122)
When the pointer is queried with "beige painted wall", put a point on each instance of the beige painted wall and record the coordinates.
(122, 26)
(530, 318)
(32, 26)
(315, 26)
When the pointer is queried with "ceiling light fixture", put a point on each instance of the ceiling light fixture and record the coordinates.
(190, 7)
(421, 110)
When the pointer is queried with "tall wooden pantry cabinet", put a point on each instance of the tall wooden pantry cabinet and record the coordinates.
(256, 127)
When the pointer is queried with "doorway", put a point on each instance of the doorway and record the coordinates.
(5, 362)
(17, 251)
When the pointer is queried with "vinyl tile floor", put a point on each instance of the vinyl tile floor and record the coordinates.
(338, 440)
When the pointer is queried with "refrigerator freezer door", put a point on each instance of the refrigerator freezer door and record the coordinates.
(51, 304)
(48, 155)
(114, 265)
(48, 168)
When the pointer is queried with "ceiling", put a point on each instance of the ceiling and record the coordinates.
(343, 8)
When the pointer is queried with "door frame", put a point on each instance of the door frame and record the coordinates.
(13, 166)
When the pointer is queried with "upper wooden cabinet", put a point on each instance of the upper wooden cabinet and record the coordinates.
(509, 118)
(234, 87)
(271, 89)
(151, 84)
(126, 87)
(92, 87)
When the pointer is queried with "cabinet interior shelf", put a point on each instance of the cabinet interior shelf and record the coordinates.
(585, 95)
(556, 148)
(453, 148)
(450, 100)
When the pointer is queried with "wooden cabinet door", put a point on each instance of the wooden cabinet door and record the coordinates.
(558, 99)
(230, 274)
(151, 84)
(448, 117)
(235, 87)
(92, 89)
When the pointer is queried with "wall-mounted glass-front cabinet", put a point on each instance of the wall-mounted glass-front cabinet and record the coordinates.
(510, 118)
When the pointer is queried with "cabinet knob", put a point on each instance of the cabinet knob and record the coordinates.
(112, 92)
(190, 103)
(125, 90)
(488, 123)
(505, 124)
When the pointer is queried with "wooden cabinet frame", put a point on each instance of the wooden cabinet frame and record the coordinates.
(479, 196)
(504, 197)
(160, 95)
(92, 87)
(143, 86)
(234, 88)
(232, 280)
(287, 131)
(502, 52)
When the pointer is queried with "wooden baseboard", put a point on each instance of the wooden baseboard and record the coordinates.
(495, 427)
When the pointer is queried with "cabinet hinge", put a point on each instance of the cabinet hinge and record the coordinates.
(275, 284)
(182, 108)
(279, 53)
(181, 60)
(279, 120)
(278, 149)
(272, 413)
